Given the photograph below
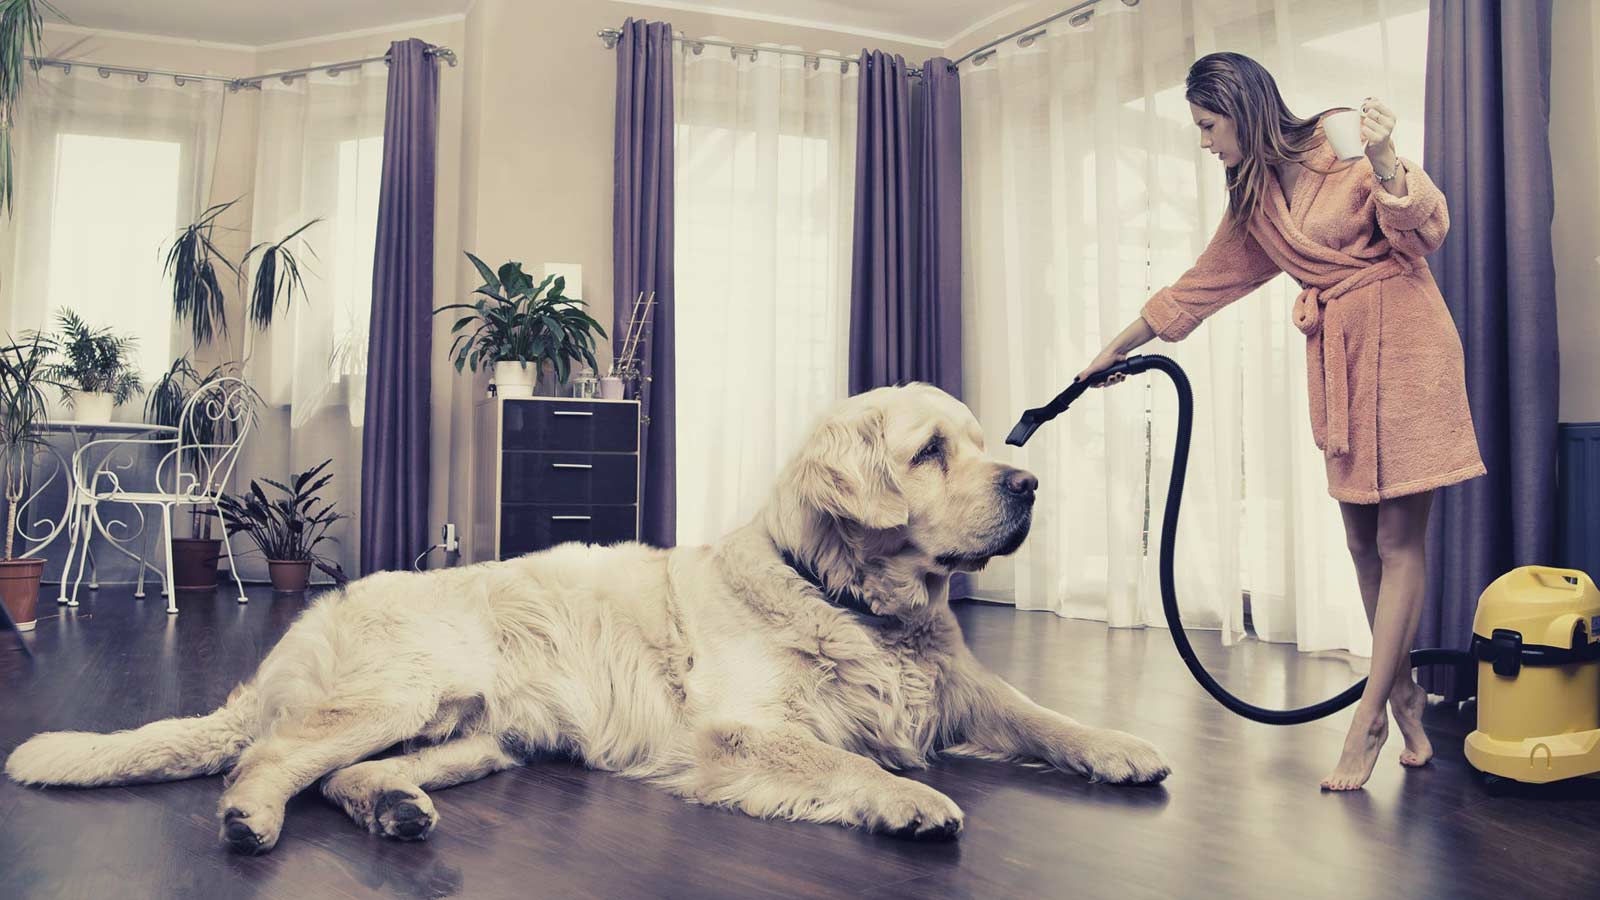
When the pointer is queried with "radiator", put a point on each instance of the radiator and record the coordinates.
(1578, 478)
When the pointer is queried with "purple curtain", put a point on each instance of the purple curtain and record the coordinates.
(1488, 149)
(642, 257)
(394, 441)
(905, 296)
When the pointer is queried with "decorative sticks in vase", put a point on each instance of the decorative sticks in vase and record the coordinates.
(627, 369)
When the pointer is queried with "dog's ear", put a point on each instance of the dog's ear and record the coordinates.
(847, 472)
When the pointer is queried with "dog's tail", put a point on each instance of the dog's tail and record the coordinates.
(168, 750)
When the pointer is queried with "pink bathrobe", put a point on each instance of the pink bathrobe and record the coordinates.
(1387, 382)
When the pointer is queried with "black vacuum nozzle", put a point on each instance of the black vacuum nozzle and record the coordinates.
(1033, 418)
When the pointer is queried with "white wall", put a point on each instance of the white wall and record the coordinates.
(1575, 158)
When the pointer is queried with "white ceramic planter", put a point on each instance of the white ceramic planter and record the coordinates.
(93, 406)
(514, 379)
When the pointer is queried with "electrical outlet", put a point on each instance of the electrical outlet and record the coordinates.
(448, 538)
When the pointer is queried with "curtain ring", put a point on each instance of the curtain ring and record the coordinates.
(1081, 19)
(178, 80)
(142, 77)
(984, 57)
(104, 72)
(697, 47)
(1028, 39)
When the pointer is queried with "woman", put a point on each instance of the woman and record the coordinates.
(1387, 382)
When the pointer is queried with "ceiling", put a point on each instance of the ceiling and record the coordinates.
(933, 22)
(254, 23)
(251, 23)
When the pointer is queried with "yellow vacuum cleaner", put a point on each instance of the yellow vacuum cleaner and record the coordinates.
(1536, 637)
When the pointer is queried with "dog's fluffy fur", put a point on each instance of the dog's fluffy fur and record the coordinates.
(720, 673)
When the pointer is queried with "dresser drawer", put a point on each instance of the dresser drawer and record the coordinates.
(571, 478)
(525, 528)
(558, 425)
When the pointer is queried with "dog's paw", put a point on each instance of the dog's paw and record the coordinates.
(1119, 758)
(250, 830)
(403, 814)
(914, 811)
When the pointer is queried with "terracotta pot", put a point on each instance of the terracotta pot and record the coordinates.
(194, 563)
(289, 574)
(19, 589)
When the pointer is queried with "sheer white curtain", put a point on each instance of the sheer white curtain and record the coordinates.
(765, 198)
(319, 156)
(108, 169)
(1085, 191)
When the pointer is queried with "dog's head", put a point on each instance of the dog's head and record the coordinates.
(893, 492)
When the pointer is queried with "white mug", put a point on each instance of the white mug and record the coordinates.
(1344, 133)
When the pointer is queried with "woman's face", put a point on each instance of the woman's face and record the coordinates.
(1217, 135)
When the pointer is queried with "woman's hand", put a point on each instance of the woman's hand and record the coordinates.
(1108, 357)
(1377, 126)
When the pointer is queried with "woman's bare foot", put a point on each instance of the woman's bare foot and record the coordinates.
(1408, 701)
(1361, 746)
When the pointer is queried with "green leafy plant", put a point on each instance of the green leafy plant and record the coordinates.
(24, 374)
(21, 36)
(277, 276)
(196, 290)
(93, 360)
(204, 434)
(291, 525)
(515, 320)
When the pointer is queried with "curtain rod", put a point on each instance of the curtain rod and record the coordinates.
(611, 35)
(234, 84)
(1080, 16)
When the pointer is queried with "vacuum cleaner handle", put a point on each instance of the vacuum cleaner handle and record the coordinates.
(1033, 418)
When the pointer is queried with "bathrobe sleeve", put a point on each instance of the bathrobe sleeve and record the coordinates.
(1231, 266)
(1416, 223)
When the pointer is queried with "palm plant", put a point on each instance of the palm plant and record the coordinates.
(93, 360)
(290, 527)
(196, 290)
(269, 288)
(21, 35)
(24, 373)
(517, 321)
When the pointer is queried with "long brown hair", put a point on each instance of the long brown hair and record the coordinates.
(1236, 86)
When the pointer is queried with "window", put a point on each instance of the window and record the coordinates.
(114, 216)
(353, 231)
(765, 157)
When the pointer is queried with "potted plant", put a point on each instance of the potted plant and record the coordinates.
(24, 373)
(197, 297)
(21, 36)
(95, 368)
(519, 327)
(194, 559)
(287, 529)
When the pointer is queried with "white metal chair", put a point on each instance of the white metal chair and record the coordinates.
(194, 472)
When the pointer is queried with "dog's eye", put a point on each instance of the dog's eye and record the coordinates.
(932, 451)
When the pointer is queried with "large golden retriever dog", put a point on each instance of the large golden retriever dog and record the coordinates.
(786, 671)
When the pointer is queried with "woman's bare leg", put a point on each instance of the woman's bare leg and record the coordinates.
(1401, 539)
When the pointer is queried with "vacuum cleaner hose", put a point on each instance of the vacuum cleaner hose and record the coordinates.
(1033, 418)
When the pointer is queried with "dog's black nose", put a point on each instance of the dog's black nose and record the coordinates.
(1020, 483)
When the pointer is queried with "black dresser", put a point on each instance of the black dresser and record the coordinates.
(550, 470)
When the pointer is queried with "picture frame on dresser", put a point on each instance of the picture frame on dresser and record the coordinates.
(549, 470)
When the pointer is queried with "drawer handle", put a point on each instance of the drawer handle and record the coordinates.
(571, 466)
(571, 412)
(569, 518)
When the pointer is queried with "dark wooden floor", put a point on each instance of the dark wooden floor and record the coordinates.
(1241, 816)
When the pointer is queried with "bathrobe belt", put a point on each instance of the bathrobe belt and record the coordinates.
(1326, 325)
